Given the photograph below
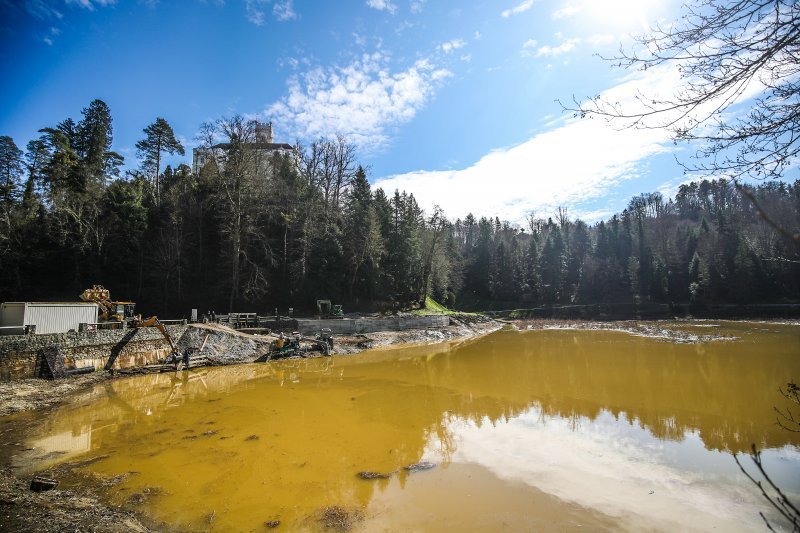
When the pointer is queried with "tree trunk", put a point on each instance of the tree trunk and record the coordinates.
(237, 246)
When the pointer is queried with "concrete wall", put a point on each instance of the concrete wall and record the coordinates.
(134, 347)
(350, 326)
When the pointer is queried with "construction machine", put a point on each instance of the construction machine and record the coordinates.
(297, 345)
(326, 310)
(112, 311)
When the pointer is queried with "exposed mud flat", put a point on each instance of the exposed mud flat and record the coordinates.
(59, 510)
(676, 331)
(461, 327)
(34, 394)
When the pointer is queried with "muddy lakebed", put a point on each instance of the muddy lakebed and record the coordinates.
(549, 428)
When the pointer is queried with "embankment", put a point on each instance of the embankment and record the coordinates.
(19, 357)
(356, 326)
(651, 311)
(21, 390)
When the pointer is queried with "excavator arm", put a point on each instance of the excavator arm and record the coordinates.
(154, 322)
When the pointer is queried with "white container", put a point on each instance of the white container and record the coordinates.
(48, 317)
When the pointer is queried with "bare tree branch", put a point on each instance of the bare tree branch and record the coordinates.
(723, 51)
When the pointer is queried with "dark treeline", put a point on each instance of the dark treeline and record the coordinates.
(251, 232)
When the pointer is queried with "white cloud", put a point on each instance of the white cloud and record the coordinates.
(669, 188)
(599, 39)
(361, 100)
(572, 164)
(566, 12)
(284, 10)
(612, 456)
(449, 46)
(90, 4)
(41, 9)
(416, 6)
(526, 47)
(255, 12)
(563, 48)
(477, 36)
(516, 10)
(382, 5)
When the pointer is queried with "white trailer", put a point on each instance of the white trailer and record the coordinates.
(47, 317)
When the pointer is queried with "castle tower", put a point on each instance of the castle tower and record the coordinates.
(264, 132)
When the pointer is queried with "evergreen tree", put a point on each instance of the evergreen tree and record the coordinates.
(362, 236)
(93, 137)
(159, 139)
(11, 167)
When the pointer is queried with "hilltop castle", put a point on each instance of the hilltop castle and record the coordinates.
(264, 145)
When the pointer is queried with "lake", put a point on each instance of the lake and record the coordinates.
(519, 430)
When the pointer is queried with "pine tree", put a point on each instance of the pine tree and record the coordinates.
(159, 139)
(11, 168)
(93, 137)
(362, 236)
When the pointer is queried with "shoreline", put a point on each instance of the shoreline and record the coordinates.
(83, 508)
(34, 394)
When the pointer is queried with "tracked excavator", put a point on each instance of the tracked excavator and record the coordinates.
(123, 312)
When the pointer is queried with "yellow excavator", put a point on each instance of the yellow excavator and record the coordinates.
(111, 311)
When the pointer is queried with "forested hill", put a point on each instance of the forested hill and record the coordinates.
(244, 236)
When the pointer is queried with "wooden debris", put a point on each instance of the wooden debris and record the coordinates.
(41, 484)
(52, 362)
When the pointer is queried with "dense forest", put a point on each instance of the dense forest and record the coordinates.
(244, 234)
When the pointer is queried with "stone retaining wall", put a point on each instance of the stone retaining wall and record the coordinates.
(133, 347)
(353, 326)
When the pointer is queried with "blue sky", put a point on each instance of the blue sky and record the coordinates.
(453, 101)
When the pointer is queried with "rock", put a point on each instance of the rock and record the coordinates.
(374, 475)
(340, 519)
(419, 467)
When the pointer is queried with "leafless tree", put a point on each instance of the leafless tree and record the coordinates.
(787, 418)
(434, 226)
(771, 492)
(790, 421)
(742, 53)
(237, 169)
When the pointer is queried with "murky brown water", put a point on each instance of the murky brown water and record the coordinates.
(529, 430)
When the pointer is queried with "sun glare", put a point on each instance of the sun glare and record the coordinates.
(631, 15)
